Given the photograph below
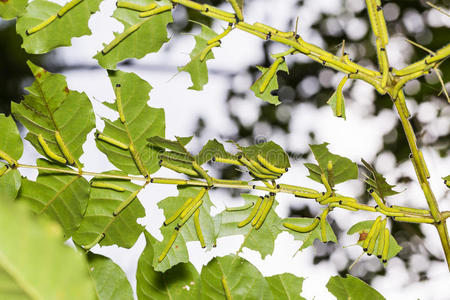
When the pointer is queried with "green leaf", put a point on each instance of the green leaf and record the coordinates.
(343, 168)
(10, 183)
(243, 279)
(347, 288)
(332, 102)
(362, 228)
(212, 149)
(273, 84)
(52, 107)
(178, 253)
(378, 182)
(286, 286)
(110, 280)
(261, 240)
(163, 143)
(271, 151)
(141, 121)
(34, 262)
(59, 32)
(9, 9)
(197, 69)
(11, 142)
(308, 237)
(149, 38)
(62, 197)
(171, 284)
(121, 230)
(314, 171)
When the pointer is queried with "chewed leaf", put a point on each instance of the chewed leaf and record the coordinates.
(196, 68)
(362, 228)
(332, 102)
(178, 252)
(378, 182)
(343, 168)
(261, 240)
(175, 146)
(51, 108)
(100, 220)
(140, 121)
(60, 31)
(286, 286)
(12, 8)
(267, 95)
(148, 38)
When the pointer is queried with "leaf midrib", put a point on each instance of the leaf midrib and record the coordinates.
(11, 270)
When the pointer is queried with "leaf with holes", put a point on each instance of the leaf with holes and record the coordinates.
(196, 68)
(122, 229)
(59, 32)
(141, 121)
(50, 107)
(148, 38)
(63, 197)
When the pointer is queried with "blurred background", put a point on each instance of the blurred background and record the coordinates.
(227, 109)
